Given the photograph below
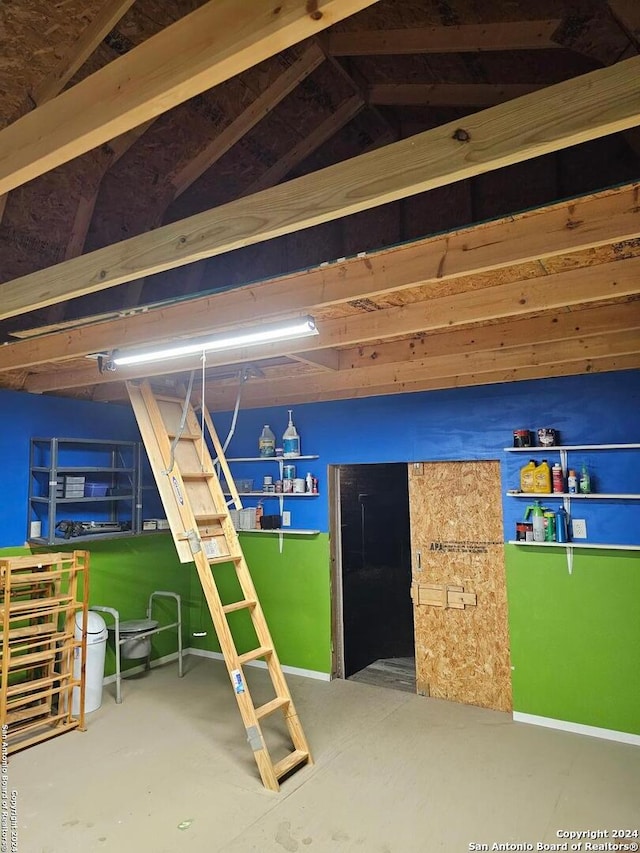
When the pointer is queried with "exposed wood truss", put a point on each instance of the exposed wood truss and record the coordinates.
(518, 35)
(586, 107)
(210, 45)
(548, 293)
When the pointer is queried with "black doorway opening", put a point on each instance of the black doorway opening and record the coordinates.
(377, 611)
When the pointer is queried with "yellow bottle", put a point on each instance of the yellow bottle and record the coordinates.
(542, 478)
(526, 476)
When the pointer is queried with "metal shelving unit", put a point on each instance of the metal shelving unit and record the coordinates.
(50, 461)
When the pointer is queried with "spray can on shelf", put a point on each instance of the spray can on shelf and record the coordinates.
(267, 442)
(291, 440)
(536, 511)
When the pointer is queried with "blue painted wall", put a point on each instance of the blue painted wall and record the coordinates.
(23, 416)
(467, 423)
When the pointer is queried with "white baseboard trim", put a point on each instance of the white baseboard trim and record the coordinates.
(289, 670)
(136, 670)
(577, 728)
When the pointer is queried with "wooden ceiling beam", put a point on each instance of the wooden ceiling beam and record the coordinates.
(588, 222)
(450, 368)
(248, 119)
(448, 94)
(506, 35)
(221, 398)
(547, 293)
(325, 359)
(551, 326)
(587, 107)
(212, 44)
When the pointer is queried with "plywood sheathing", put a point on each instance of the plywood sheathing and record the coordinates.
(461, 655)
(41, 31)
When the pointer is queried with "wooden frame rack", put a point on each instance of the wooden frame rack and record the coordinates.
(40, 596)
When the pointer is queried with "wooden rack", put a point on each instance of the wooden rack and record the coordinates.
(38, 606)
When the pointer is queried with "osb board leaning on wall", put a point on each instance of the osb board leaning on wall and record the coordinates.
(456, 529)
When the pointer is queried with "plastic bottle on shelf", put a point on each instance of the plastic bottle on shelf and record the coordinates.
(585, 481)
(542, 478)
(291, 440)
(526, 476)
(562, 525)
(309, 483)
(572, 482)
(267, 442)
(259, 514)
(557, 478)
(536, 510)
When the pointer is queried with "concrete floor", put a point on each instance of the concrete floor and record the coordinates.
(169, 770)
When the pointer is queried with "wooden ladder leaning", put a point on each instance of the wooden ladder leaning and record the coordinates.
(203, 533)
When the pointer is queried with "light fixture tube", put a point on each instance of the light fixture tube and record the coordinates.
(301, 327)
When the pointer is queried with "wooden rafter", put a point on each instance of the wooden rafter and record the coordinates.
(580, 224)
(348, 110)
(448, 94)
(507, 35)
(627, 13)
(212, 44)
(514, 299)
(255, 112)
(587, 107)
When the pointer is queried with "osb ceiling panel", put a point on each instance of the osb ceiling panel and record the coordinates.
(42, 31)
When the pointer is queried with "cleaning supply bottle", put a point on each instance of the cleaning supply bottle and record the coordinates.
(549, 526)
(536, 510)
(291, 440)
(557, 478)
(526, 476)
(259, 514)
(267, 442)
(542, 478)
(572, 482)
(562, 525)
(585, 481)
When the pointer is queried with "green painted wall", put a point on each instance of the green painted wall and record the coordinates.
(294, 590)
(123, 572)
(575, 639)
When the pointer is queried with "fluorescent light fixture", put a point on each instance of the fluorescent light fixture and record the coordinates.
(301, 327)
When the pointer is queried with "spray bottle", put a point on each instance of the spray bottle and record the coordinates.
(536, 510)
(291, 440)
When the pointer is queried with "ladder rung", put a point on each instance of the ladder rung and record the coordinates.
(254, 654)
(272, 707)
(186, 436)
(209, 516)
(228, 558)
(281, 768)
(197, 475)
(239, 605)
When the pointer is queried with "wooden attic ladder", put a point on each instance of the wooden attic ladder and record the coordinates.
(203, 533)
